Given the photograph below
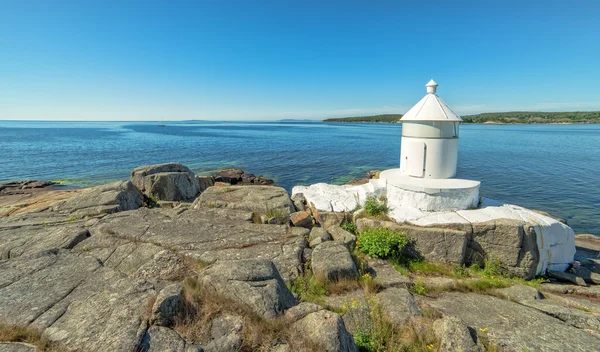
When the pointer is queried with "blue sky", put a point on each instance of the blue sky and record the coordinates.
(223, 60)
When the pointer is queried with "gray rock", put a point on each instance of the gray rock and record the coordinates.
(74, 300)
(567, 277)
(208, 234)
(106, 199)
(512, 326)
(17, 347)
(225, 334)
(434, 244)
(332, 261)
(510, 241)
(301, 219)
(398, 305)
(168, 182)
(161, 339)
(168, 305)
(301, 310)
(327, 219)
(342, 236)
(586, 274)
(454, 335)
(319, 232)
(263, 200)
(231, 176)
(385, 275)
(255, 283)
(299, 202)
(204, 182)
(326, 329)
(528, 296)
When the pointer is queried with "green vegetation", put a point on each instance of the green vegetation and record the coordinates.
(534, 117)
(496, 117)
(387, 118)
(376, 207)
(381, 242)
(349, 226)
(466, 279)
(309, 288)
(275, 213)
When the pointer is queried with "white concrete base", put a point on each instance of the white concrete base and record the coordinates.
(428, 194)
(555, 240)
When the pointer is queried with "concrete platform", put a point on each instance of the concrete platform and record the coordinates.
(427, 194)
(396, 178)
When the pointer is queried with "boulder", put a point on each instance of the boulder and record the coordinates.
(436, 244)
(231, 176)
(586, 274)
(398, 305)
(161, 339)
(301, 310)
(340, 235)
(261, 180)
(512, 242)
(559, 275)
(327, 329)
(204, 182)
(225, 334)
(385, 275)
(255, 283)
(455, 335)
(332, 261)
(301, 219)
(110, 198)
(264, 200)
(317, 236)
(168, 305)
(328, 219)
(299, 202)
(169, 182)
(248, 178)
(511, 326)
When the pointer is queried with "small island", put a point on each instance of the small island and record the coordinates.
(513, 117)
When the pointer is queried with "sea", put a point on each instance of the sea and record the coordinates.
(553, 168)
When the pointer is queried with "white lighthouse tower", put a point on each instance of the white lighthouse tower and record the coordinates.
(429, 147)
(428, 160)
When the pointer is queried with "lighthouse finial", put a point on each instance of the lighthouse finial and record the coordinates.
(431, 87)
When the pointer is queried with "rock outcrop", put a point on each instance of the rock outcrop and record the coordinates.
(255, 283)
(527, 328)
(168, 182)
(332, 261)
(274, 202)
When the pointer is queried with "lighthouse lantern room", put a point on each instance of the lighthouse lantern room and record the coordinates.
(429, 145)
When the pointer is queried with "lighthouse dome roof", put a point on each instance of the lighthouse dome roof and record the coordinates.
(431, 108)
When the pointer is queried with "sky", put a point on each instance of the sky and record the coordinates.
(267, 60)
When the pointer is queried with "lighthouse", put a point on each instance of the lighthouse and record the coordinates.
(426, 179)
(429, 144)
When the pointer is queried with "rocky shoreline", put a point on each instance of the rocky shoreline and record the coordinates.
(172, 261)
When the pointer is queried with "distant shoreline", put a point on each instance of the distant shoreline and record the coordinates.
(495, 118)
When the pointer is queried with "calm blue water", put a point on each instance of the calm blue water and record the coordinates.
(555, 168)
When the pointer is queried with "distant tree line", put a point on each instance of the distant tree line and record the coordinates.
(534, 117)
(389, 118)
(496, 117)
